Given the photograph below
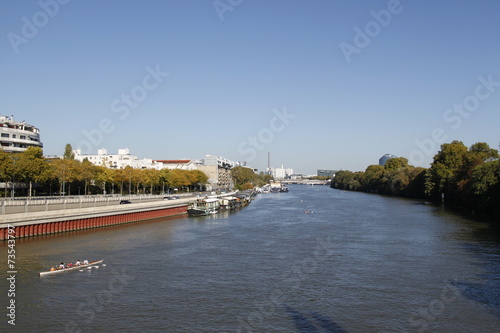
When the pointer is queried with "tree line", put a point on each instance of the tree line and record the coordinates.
(70, 176)
(245, 178)
(466, 177)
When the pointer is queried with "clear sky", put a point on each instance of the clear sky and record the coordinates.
(324, 84)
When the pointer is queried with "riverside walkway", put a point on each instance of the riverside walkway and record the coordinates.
(40, 204)
(29, 217)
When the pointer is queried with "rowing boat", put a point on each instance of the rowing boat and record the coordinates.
(71, 268)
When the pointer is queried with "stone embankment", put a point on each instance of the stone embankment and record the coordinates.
(54, 221)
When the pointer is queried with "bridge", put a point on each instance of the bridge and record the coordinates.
(306, 182)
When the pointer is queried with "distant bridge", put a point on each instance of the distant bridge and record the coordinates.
(306, 182)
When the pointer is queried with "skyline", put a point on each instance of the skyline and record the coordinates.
(327, 85)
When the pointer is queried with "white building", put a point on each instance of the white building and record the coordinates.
(124, 159)
(176, 164)
(117, 161)
(17, 136)
(280, 173)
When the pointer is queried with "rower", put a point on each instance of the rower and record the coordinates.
(85, 262)
(78, 263)
(52, 269)
(61, 266)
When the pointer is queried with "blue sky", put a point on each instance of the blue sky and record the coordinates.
(319, 84)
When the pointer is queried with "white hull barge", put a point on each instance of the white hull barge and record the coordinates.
(71, 268)
(204, 207)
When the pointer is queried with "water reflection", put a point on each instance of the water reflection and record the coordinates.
(313, 322)
(485, 289)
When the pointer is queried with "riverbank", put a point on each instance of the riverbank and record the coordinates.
(42, 223)
(38, 223)
(463, 177)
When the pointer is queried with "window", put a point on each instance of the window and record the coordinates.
(23, 137)
(5, 135)
(13, 136)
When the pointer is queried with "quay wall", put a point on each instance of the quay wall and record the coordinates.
(43, 223)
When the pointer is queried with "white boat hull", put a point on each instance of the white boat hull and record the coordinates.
(71, 268)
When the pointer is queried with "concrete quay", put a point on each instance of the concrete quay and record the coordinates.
(49, 222)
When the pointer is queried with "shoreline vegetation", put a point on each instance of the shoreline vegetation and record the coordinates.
(467, 178)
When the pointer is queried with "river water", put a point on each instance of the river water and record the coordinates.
(311, 260)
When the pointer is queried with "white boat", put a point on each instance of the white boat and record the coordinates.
(71, 268)
(203, 207)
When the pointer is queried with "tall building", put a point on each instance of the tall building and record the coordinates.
(385, 158)
(326, 173)
(17, 136)
(218, 170)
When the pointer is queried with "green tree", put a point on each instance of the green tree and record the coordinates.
(31, 166)
(105, 177)
(483, 151)
(396, 163)
(128, 175)
(66, 171)
(372, 178)
(150, 177)
(263, 179)
(179, 178)
(88, 173)
(444, 171)
(416, 187)
(68, 152)
(347, 180)
(165, 179)
(199, 178)
(242, 175)
(486, 186)
(7, 169)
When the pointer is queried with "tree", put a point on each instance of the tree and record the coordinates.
(372, 177)
(165, 179)
(486, 185)
(31, 166)
(247, 186)
(442, 175)
(416, 187)
(88, 173)
(347, 180)
(242, 175)
(150, 177)
(66, 171)
(127, 174)
(7, 169)
(68, 152)
(396, 163)
(199, 178)
(263, 179)
(483, 151)
(179, 178)
(104, 176)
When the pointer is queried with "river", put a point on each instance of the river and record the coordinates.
(311, 260)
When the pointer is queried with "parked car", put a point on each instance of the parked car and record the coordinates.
(123, 202)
